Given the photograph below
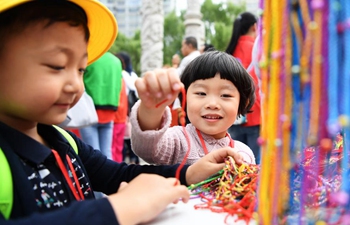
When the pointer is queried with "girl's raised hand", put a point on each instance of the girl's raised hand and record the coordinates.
(158, 88)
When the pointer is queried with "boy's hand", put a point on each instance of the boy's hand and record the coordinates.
(158, 86)
(211, 164)
(145, 197)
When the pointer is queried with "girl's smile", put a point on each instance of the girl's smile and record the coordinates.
(212, 105)
(212, 117)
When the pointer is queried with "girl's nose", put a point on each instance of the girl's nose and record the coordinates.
(213, 102)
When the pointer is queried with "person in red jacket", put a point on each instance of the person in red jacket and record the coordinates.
(241, 45)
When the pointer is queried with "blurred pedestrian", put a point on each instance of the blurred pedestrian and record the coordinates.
(103, 81)
(246, 129)
(129, 77)
(189, 50)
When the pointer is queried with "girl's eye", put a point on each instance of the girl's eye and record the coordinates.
(200, 93)
(226, 96)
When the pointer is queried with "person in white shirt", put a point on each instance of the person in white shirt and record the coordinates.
(128, 74)
(189, 50)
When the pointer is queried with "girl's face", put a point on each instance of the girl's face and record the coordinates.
(212, 105)
(41, 74)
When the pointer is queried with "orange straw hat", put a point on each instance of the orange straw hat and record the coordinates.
(101, 23)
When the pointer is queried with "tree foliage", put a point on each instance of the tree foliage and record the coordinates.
(130, 45)
(217, 18)
(174, 30)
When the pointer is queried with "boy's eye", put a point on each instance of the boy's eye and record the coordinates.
(56, 67)
(82, 70)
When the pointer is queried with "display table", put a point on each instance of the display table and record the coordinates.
(182, 213)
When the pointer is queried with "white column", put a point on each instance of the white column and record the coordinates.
(152, 33)
(194, 25)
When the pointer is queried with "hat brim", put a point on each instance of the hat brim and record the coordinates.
(102, 25)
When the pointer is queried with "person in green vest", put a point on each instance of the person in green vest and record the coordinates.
(102, 81)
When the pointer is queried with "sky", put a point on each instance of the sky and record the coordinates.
(252, 5)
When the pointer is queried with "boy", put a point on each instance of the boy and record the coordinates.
(45, 46)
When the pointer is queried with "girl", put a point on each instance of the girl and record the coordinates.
(218, 91)
(243, 36)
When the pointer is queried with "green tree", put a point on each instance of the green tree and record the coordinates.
(218, 21)
(130, 45)
(217, 18)
(174, 30)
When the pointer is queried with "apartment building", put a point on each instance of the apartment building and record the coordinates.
(128, 14)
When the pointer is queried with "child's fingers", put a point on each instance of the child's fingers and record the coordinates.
(164, 82)
(221, 155)
(174, 80)
(236, 155)
(122, 185)
(160, 82)
(141, 87)
(182, 191)
(169, 82)
(153, 85)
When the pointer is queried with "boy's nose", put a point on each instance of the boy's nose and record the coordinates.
(74, 83)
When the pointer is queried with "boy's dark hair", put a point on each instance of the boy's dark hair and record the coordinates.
(15, 20)
(241, 26)
(208, 64)
(191, 41)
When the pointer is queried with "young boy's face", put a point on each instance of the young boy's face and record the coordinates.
(41, 73)
(212, 105)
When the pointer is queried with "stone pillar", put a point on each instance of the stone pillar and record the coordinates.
(152, 33)
(194, 25)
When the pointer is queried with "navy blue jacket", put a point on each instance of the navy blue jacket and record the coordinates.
(104, 175)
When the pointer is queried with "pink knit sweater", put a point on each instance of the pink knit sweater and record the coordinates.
(168, 145)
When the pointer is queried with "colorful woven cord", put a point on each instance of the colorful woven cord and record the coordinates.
(232, 191)
(305, 131)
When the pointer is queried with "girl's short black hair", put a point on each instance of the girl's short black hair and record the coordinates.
(16, 19)
(210, 63)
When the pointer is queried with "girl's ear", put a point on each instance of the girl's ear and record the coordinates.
(255, 26)
(253, 29)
